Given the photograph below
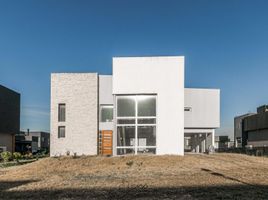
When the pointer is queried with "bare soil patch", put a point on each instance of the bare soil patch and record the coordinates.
(218, 176)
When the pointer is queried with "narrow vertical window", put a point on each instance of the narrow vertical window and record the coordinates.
(61, 132)
(61, 113)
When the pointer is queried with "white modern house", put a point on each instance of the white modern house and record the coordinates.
(142, 108)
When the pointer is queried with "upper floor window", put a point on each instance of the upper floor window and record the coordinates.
(187, 109)
(106, 113)
(61, 113)
(146, 106)
(126, 106)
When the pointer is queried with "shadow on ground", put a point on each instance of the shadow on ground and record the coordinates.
(5, 185)
(224, 176)
(240, 191)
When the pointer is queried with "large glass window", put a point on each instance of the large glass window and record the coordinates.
(146, 106)
(106, 113)
(136, 124)
(146, 136)
(126, 136)
(126, 106)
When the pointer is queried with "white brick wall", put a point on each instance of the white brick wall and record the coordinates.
(79, 91)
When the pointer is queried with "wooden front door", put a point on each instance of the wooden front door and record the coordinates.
(106, 143)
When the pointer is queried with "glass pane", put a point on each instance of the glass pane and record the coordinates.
(34, 139)
(146, 121)
(146, 136)
(146, 106)
(187, 109)
(106, 113)
(126, 121)
(125, 106)
(125, 151)
(61, 113)
(146, 150)
(61, 131)
(126, 136)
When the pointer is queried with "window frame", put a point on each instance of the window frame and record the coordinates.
(61, 118)
(187, 109)
(136, 124)
(100, 113)
(59, 134)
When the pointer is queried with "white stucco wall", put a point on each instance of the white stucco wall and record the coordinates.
(205, 108)
(106, 98)
(163, 76)
(79, 91)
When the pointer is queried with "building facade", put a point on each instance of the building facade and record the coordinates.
(139, 109)
(240, 136)
(9, 118)
(223, 142)
(201, 118)
(33, 141)
(254, 128)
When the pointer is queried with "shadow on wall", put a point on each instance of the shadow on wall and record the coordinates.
(240, 191)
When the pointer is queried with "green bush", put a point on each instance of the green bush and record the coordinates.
(6, 156)
(17, 156)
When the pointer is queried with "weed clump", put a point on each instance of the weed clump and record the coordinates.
(130, 163)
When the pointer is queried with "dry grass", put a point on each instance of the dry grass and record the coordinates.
(218, 176)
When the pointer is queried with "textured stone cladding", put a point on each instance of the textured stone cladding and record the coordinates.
(79, 91)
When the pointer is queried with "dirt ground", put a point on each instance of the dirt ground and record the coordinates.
(218, 176)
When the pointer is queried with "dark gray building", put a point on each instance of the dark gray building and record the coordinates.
(34, 141)
(254, 128)
(9, 118)
(240, 138)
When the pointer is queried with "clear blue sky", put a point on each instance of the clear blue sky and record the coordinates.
(225, 43)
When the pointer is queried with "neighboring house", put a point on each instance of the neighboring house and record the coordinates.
(34, 141)
(201, 118)
(222, 142)
(256, 128)
(142, 108)
(240, 137)
(9, 118)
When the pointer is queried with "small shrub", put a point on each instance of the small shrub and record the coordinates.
(17, 156)
(130, 163)
(42, 154)
(68, 153)
(75, 155)
(6, 156)
(28, 156)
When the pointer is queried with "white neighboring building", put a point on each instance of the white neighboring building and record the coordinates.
(201, 117)
(139, 109)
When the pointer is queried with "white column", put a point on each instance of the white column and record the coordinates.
(213, 137)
